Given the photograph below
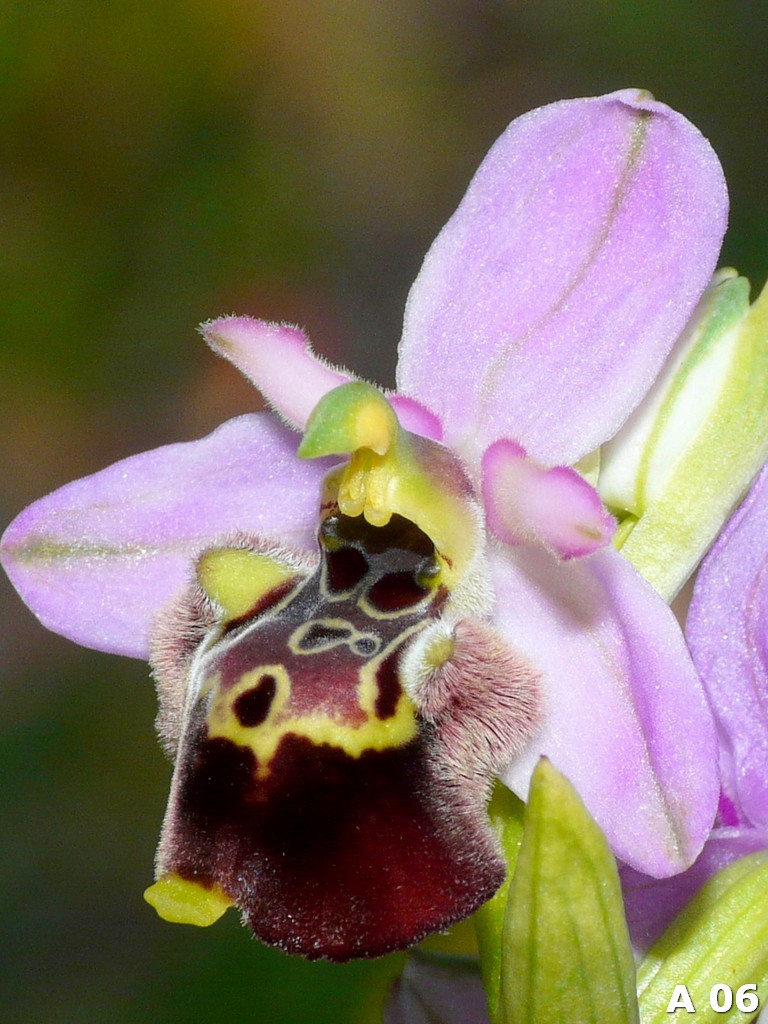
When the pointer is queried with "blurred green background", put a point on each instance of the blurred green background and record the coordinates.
(164, 162)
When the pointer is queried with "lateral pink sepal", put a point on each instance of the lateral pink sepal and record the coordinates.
(97, 559)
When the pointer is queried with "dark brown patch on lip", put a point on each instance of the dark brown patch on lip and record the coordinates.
(388, 682)
(396, 591)
(331, 850)
(322, 635)
(252, 707)
(329, 855)
(218, 779)
(399, 534)
(346, 568)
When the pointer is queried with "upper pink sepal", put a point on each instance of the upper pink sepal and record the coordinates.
(626, 718)
(548, 303)
(278, 359)
(97, 559)
(525, 503)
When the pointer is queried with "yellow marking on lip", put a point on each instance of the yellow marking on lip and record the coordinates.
(368, 688)
(223, 721)
(319, 728)
(397, 613)
(352, 636)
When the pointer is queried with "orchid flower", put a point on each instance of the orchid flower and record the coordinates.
(727, 632)
(353, 636)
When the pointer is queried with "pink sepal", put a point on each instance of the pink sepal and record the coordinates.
(651, 904)
(97, 559)
(550, 300)
(727, 632)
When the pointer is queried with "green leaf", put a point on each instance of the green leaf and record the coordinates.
(566, 955)
(720, 938)
(506, 812)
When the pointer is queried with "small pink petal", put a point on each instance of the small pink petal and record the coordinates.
(97, 559)
(548, 303)
(626, 718)
(727, 632)
(278, 359)
(526, 503)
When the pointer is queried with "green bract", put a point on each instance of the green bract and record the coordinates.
(506, 812)
(684, 459)
(566, 952)
(719, 939)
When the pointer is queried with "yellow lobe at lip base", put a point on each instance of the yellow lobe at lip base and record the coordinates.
(393, 472)
(182, 901)
(236, 578)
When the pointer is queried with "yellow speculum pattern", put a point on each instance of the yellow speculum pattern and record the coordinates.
(237, 579)
(295, 641)
(320, 726)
